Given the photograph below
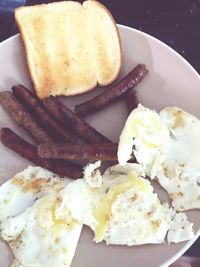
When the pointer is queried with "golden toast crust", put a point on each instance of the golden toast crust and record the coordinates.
(70, 48)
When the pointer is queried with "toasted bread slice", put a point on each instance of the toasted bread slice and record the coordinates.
(70, 48)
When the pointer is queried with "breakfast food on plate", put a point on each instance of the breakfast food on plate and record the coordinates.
(24, 188)
(103, 152)
(16, 263)
(69, 47)
(22, 117)
(35, 106)
(40, 236)
(132, 100)
(81, 128)
(123, 209)
(114, 94)
(167, 145)
(29, 152)
(31, 223)
(92, 174)
(41, 214)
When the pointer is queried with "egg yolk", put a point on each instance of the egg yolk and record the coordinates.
(47, 217)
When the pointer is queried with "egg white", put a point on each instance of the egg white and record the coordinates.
(40, 236)
(30, 223)
(124, 210)
(21, 191)
(16, 263)
(167, 145)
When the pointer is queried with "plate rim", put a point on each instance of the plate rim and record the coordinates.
(195, 72)
(138, 32)
(197, 235)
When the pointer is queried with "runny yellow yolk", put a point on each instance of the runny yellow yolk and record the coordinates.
(103, 212)
(46, 215)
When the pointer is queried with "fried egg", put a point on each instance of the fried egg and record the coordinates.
(17, 264)
(40, 236)
(30, 223)
(20, 192)
(124, 210)
(92, 174)
(167, 145)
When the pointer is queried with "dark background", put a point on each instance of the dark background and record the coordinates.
(175, 22)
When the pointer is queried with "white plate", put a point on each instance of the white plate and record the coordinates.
(171, 81)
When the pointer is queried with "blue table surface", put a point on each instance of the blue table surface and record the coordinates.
(175, 22)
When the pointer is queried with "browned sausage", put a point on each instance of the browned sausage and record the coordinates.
(29, 152)
(72, 121)
(104, 152)
(114, 94)
(50, 123)
(21, 117)
(132, 100)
